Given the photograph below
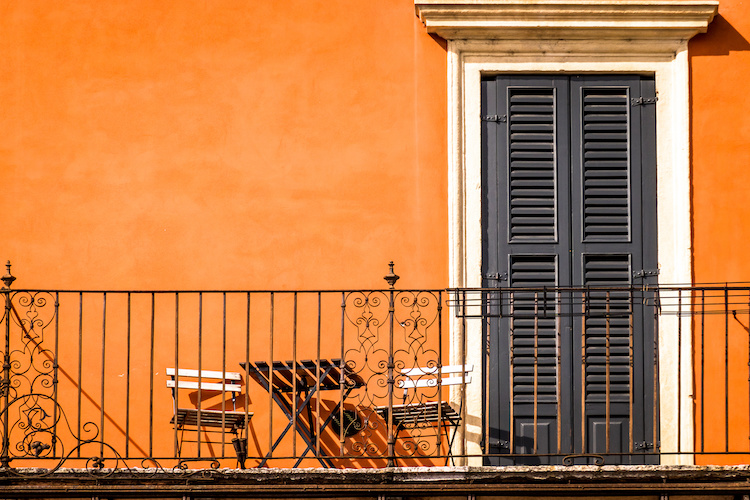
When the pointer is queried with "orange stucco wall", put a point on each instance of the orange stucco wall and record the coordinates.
(213, 145)
(720, 124)
(233, 144)
(719, 72)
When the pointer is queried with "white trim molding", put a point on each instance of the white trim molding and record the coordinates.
(587, 19)
(573, 36)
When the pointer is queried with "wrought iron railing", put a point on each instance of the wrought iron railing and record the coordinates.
(361, 378)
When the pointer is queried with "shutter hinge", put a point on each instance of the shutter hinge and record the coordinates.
(643, 445)
(643, 273)
(496, 276)
(495, 118)
(642, 101)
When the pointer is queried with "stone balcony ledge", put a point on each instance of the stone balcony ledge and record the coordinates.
(413, 482)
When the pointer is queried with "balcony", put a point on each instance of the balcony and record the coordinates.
(368, 379)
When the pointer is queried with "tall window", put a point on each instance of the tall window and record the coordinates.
(569, 206)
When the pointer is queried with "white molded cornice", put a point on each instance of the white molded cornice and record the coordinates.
(568, 19)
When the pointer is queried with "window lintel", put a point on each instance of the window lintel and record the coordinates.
(566, 19)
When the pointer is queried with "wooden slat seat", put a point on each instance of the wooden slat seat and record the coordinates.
(233, 420)
(422, 414)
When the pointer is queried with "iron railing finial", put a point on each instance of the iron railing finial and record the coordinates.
(8, 279)
(391, 278)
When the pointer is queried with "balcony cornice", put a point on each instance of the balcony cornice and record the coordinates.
(566, 19)
(414, 482)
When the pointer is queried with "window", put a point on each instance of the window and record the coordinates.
(494, 37)
(569, 200)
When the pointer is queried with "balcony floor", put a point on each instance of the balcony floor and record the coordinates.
(684, 482)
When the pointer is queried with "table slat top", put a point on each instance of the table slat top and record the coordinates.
(306, 372)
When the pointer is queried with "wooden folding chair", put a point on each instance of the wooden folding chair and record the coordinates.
(210, 382)
(412, 414)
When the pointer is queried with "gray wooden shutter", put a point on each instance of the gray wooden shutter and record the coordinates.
(527, 236)
(613, 202)
(568, 200)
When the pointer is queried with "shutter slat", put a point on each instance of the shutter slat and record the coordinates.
(607, 155)
(536, 211)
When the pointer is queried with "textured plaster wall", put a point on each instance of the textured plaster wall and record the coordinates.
(185, 144)
(229, 144)
(720, 121)
(720, 69)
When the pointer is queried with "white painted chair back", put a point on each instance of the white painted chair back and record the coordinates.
(415, 378)
(205, 380)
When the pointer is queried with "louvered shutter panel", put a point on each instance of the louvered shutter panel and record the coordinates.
(609, 242)
(527, 240)
(533, 330)
(531, 142)
(607, 327)
(569, 200)
(605, 177)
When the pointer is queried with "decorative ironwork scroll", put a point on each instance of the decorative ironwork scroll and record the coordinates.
(33, 424)
(396, 331)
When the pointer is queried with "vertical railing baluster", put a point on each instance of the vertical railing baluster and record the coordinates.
(342, 379)
(223, 371)
(440, 377)
(104, 357)
(6, 384)
(536, 370)
(511, 357)
(55, 368)
(584, 305)
(703, 367)
(726, 369)
(80, 367)
(487, 329)
(295, 387)
(317, 377)
(607, 373)
(247, 364)
(270, 379)
(152, 334)
(558, 367)
(127, 379)
(463, 392)
(175, 403)
(631, 333)
(748, 359)
(200, 369)
(390, 375)
(679, 370)
(655, 381)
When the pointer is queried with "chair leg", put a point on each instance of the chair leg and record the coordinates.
(181, 430)
(450, 443)
(240, 449)
(449, 455)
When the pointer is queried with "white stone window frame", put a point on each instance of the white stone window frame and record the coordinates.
(572, 36)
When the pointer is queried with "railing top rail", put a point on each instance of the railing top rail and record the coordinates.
(209, 291)
(452, 290)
